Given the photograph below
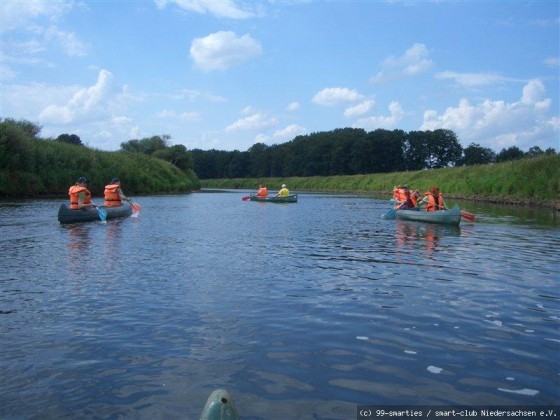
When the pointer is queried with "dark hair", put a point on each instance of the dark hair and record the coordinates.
(81, 179)
(115, 180)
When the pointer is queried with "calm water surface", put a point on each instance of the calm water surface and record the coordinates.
(301, 311)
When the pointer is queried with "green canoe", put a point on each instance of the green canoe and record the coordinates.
(292, 198)
(219, 406)
(67, 215)
(442, 217)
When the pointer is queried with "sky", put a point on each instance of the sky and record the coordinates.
(227, 74)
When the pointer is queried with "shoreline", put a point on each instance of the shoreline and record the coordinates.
(514, 201)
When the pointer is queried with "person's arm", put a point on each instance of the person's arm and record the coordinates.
(122, 196)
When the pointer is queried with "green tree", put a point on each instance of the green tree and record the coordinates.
(512, 153)
(70, 139)
(475, 154)
(146, 145)
(443, 149)
(178, 155)
(259, 161)
(27, 127)
(534, 151)
(387, 150)
(16, 146)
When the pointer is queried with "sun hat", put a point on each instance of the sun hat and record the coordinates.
(283, 185)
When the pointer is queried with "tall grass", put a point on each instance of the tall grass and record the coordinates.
(530, 180)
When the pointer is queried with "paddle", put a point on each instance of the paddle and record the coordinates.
(469, 217)
(135, 207)
(102, 214)
(245, 198)
(390, 215)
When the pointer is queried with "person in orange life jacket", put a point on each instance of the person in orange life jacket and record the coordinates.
(263, 191)
(80, 196)
(114, 194)
(405, 199)
(433, 199)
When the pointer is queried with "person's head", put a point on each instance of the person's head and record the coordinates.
(434, 189)
(283, 185)
(405, 187)
(115, 181)
(82, 180)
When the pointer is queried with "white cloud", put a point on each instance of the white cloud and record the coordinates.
(219, 8)
(189, 116)
(533, 92)
(84, 102)
(411, 63)
(223, 49)
(293, 106)
(335, 96)
(252, 122)
(185, 116)
(166, 113)
(261, 138)
(552, 62)
(192, 95)
(289, 132)
(473, 79)
(359, 109)
(70, 44)
(388, 122)
(21, 14)
(498, 124)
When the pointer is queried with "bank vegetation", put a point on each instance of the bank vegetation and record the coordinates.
(31, 166)
(528, 181)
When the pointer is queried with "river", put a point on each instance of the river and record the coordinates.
(300, 311)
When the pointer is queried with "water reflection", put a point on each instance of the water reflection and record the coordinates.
(78, 238)
(426, 236)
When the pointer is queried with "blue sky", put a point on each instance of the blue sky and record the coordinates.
(226, 74)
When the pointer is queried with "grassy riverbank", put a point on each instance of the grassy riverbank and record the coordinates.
(531, 181)
(35, 167)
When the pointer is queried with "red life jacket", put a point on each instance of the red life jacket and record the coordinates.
(263, 192)
(74, 192)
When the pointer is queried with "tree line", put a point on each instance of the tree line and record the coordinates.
(351, 151)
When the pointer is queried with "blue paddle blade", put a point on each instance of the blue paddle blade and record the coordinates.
(102, 214)
(390, 214)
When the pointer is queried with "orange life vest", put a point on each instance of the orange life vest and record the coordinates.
(263, 192)
(432, 204)
(74, 191)
(407, 198)
(112, 198)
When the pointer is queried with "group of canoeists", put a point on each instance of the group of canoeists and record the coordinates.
(405, 199)
(263, 191)
(80, 195)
